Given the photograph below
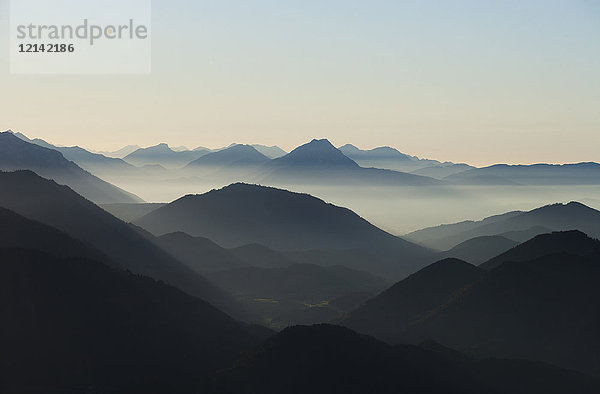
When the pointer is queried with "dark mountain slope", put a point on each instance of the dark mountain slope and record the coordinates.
(547, 309)
(16, 154)
(572, 242)
(330, 359)
(479, 249)
(242, 214)
(75, 325)
(58, 206)
(391, 313)
(17, 231)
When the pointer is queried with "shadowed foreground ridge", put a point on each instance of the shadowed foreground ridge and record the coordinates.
(75, 324)
(331, 359)
(540, 303)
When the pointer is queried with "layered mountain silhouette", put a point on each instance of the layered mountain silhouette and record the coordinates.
(518, 226)
(541, 303)
(319, 162)
(537, 174)
(21, 233)
(389, 315)
(93, 162)
(242, 214)
(569, 242)
(391, 159)
(163, 155)
(16, 154)
(76, 325)
(329, 359)
(58, 206)
(479, 249)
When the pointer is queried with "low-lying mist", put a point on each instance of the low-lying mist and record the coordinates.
(397, 209)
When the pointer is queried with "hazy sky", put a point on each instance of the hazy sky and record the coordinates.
(472, 81)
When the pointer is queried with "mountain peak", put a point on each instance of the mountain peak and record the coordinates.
(318, 152)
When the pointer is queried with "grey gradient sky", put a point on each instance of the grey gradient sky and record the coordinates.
(481, 82)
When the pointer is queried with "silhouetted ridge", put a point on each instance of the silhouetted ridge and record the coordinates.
(58, 206)
(480, 249)
(17, 231)
(519, 225)
(330, 359)
(573, 242)
(392, 312)
(73, 325)
(162, 154)
(316, 153)
(16, 154)
(539, 303)
(242, 214)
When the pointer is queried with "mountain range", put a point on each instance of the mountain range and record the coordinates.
(538, 301)
(96, 163)
(518, 226)
(162, 155)
(60, 207)
(242, 214)
(587, 173)
(319, 162)
(16, 154)
(75, 325)
(329, 359)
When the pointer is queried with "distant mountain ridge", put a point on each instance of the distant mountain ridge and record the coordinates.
(236, 155)
(555, 217)
(93, 162)
(163, 155)
(319, 162)
(16, 154)
(587, 173)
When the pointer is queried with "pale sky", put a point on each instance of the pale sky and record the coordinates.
(483, 82)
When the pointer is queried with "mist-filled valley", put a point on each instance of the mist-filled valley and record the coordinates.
(196, 270)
